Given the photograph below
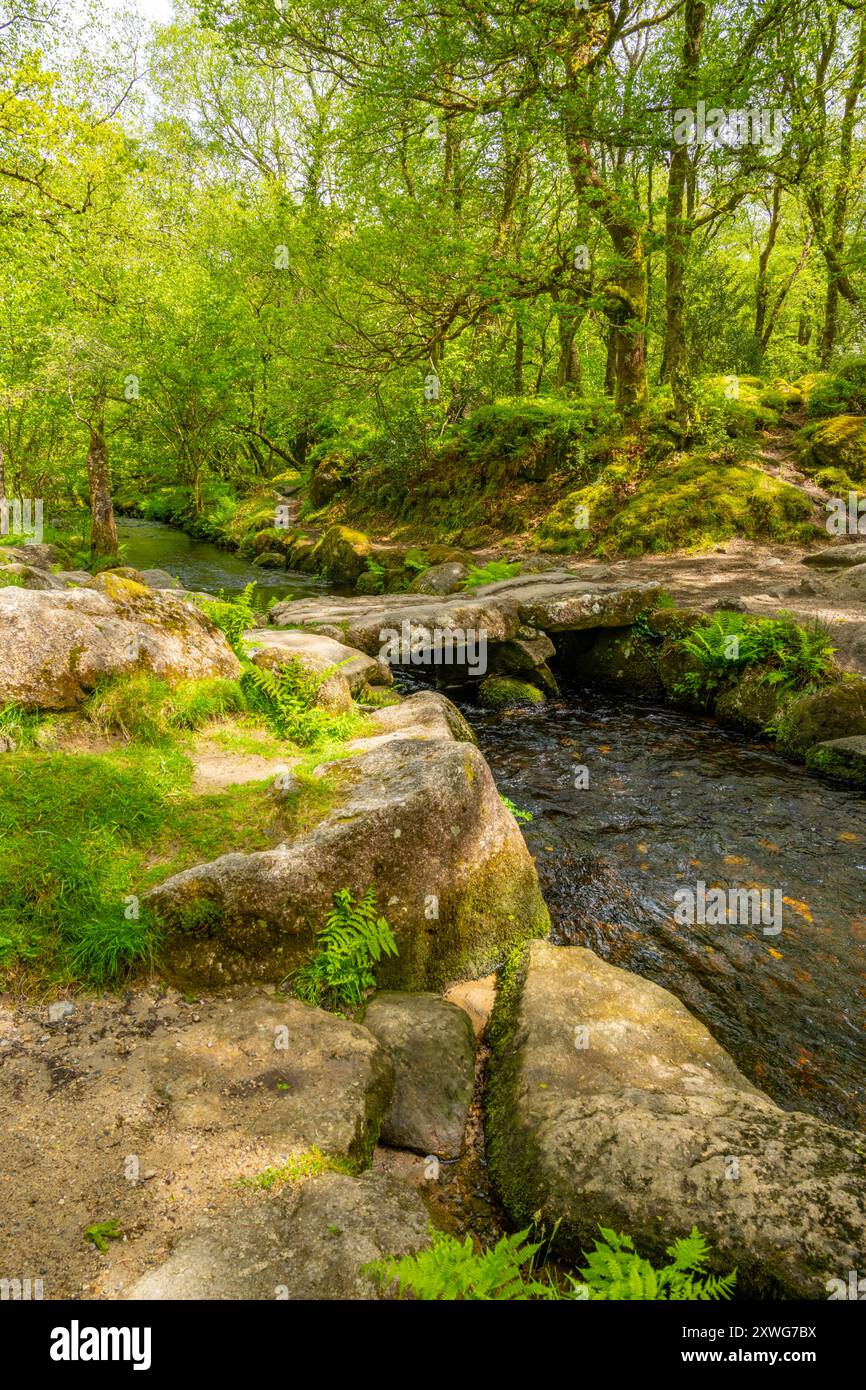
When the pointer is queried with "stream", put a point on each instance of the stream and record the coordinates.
(670, 801)
(201, 565)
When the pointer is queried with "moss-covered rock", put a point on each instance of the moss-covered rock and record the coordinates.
(609, 1104)
(419, 819)
(834, 713)
(341, 554)
(750, 703)
(673, 662)
(505, 691)
(840, 443)
(840, 757)
(59, 645)
(680, 503)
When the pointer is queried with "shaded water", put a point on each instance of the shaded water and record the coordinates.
(672, 800)
(200, 565)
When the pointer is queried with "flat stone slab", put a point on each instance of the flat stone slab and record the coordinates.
(317, 653)
(610, 1104)
(309, 1245)
(432, 1046)
(553, 601)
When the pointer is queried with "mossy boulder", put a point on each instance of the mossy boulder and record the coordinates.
(341, 554)
(270, 560)
(525, 657)
(750, 703)
(503, 692)
(840, 757)
(674, 663)
(419, 819)
(59, 645)
(837, 712)
(608, 1104)
(840, 442)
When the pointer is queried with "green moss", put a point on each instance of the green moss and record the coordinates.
(844, 758)
(684, 503)
(839, 444)
(837, 712)
(504, 691)
(299, 1167)
(512, 1164)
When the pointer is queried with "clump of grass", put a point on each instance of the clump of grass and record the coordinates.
(297, 1168)
(147, 710)
(20, 727)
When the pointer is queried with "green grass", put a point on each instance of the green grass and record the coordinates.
(84, 835)
(147, 710)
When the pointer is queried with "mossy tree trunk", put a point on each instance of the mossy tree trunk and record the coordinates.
(103, 530)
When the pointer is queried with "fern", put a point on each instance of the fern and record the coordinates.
(451, 1269)
(516, 812)
(353, 940)
(286, 700)
(615, 1271)
(797, 658)
(490, 573)
(232, 615)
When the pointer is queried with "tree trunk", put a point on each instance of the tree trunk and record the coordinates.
(626, 296)
(518, 358)
(103, 531)
(678, 225)
(762, 288)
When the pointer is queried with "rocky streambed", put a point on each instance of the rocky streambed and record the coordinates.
(241, 1140)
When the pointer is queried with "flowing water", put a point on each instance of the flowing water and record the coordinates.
(670, 802)
(200, 565)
